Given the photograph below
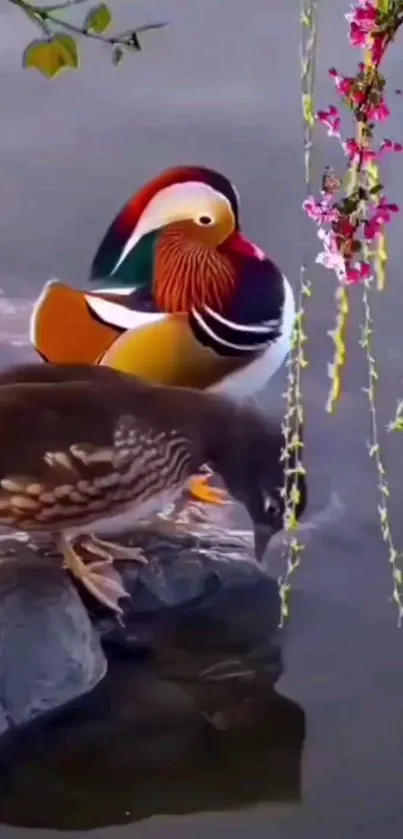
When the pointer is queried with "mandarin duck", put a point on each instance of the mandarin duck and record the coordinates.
(183, 297)
(85, 446)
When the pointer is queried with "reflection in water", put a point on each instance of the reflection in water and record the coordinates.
(187, 719)
(101, 763)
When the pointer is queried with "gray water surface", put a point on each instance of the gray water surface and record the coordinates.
(221, 88)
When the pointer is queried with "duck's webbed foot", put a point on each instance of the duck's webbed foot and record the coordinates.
(99, 576)
(200, 489)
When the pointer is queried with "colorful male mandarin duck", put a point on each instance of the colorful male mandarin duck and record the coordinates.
(182, 297)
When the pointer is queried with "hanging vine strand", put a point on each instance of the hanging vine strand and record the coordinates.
(375, 453)
(294, 413)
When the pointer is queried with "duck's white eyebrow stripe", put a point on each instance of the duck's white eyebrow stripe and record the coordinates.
(220, 340)
(264, 326)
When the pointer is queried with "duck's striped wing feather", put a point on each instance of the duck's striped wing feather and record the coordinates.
(251, 320)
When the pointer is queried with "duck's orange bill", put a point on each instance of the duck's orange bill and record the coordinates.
(64, 331)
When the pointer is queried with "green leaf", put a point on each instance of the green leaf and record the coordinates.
(306, 19)
(117, 55)
(98, 19)
(68, 48)
(51, 55)
(307, 109)
(381, 260)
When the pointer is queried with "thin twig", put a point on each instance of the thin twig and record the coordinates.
(44, 17)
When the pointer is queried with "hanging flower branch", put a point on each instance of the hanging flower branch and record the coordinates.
(294, 414)
(352, 213)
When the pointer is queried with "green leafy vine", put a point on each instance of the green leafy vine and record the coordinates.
(294, 411)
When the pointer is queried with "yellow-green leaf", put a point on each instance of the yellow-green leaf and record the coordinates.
(68, 49)
(307, 108)
(98, 19)
(51, 55)
(381, 260)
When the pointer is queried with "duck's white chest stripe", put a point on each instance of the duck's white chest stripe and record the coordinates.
(250, 380)
(229, 338)
(263, 327)
(211, 328)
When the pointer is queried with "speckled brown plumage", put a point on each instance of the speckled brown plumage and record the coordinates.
(75, 451)
(83, 446)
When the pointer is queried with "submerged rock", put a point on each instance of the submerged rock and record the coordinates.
(101, 766)
(199, 652)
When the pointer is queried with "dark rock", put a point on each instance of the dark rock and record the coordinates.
(202, 610)
(188, 698)
(49, 651)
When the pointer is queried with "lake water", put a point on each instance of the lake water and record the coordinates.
(221, 88)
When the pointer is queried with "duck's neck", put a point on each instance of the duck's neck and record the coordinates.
(136, 270)
(189, 274)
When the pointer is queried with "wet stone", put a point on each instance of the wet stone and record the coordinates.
(202, 613)
(49, 651)
(200, 651)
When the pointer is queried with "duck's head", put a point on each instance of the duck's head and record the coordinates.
(175, 237)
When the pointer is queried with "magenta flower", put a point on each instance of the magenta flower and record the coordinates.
(331, 257)
(344, 226)
(331, 120)
(320, 211)
(389, 146)
(344, 84)
(377, 47)
(358, 272)
(363, 19)
(357, 153)
(378, 113)
(381, 215)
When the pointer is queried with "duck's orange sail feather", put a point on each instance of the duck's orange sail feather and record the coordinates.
(64, 331)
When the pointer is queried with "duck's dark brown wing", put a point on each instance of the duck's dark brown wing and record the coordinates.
(39, 373)
(72, 452)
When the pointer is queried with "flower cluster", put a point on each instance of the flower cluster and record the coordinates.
(348, 225)
(351, 215)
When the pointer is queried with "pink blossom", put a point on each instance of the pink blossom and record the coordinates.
(356, 152)
(331, 120)
(365, 15)
(331, 257)
(344, 84)
(382, 214)
(320, 211)
(348, 87)
(377, 47)
(358, 272)
(362, 20)
(389, 146)
(342, 231)
(378, 113)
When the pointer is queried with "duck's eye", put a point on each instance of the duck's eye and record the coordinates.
(271, 505)
(205, 221)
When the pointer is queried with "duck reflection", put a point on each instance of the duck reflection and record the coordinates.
(106, 761)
